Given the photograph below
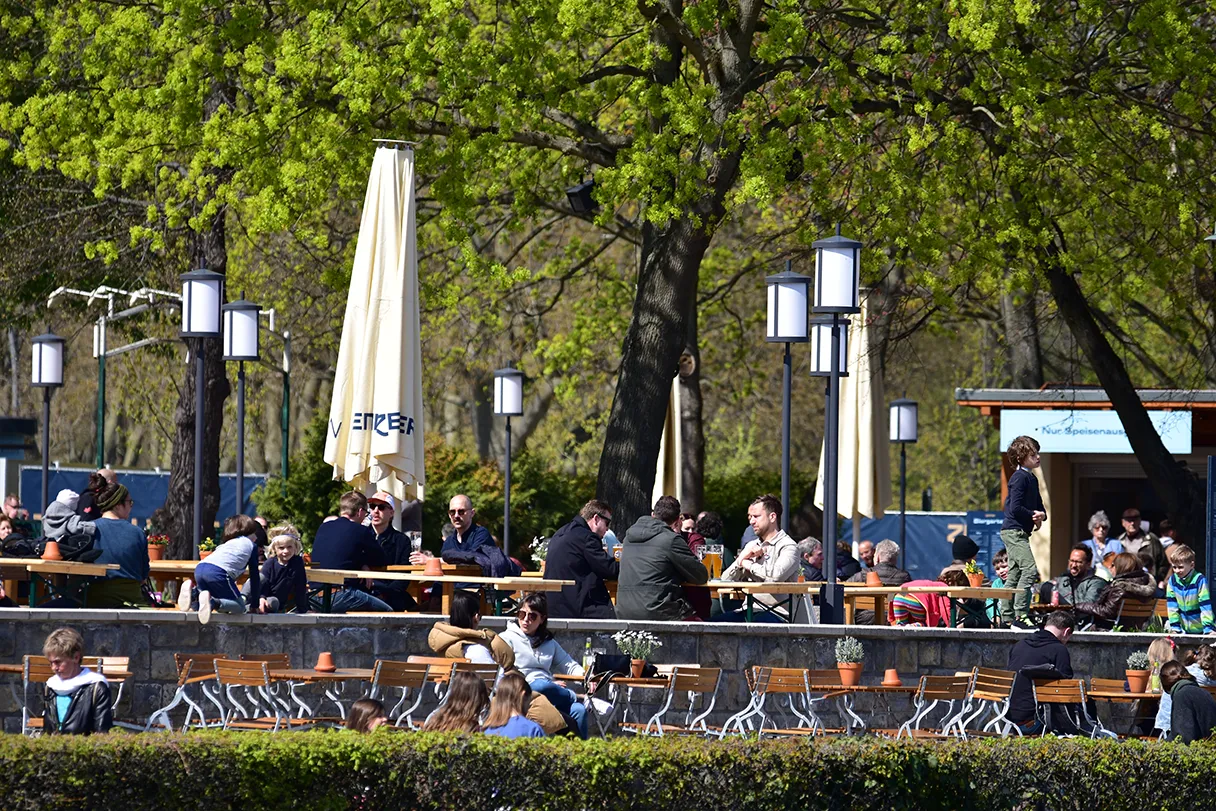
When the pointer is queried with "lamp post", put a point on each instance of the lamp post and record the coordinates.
(202, 292)
(903, 431)
(787, 323)
(46, 372)
(837, 287)
(508, 402)
(240, 344)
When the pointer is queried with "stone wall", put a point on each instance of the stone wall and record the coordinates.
(151, 638)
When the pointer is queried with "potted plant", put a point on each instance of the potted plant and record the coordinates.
(156, 546)
(540, 548)
(975, 575)
(637, 645)
(1137, 672)
(849, 658)
(205, 547)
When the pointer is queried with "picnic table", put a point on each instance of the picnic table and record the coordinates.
(620, 694)
(52, 574)
(332, 683)
(336, 577)
(791, 591)
(956, 595)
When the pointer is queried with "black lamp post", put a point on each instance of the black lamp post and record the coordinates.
(46, 372)
(903, 430)
(787, 323)
(837, 291)
(202, 294)
(508, 402)
(240, 344)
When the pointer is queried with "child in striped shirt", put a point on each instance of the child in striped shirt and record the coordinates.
(1186, 594)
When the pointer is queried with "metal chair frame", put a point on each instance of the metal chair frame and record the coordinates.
(941, 690)
(253, 677)
(696, 682)
(409, 678)
(991, 690)
(793, 684)
(1066, 692)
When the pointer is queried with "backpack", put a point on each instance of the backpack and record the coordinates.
(78, 548)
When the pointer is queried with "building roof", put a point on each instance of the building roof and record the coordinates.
(1081, 397)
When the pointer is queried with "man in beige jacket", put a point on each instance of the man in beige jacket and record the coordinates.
(771, 558)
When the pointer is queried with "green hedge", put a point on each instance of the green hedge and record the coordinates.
(332, 770)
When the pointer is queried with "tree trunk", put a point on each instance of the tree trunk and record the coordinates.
(14, 378)
(1025, 353)
(174, 518)
(692, 430)
(1176, 486)
(657, 334)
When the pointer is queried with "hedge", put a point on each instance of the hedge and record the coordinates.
(332, 770)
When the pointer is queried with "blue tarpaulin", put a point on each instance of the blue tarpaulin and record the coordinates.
(929, 536)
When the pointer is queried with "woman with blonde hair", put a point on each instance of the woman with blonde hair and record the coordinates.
(506, 718)
(461, 711)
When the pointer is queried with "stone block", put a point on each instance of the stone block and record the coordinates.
(720, 650)
(907, 662)
(929, 653)
(177, 635)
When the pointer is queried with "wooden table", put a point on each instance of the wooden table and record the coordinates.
(956, 594)
(750, 588)
(38, 569)
(332, 577)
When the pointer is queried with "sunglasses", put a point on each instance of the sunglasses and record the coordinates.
(526, 615)
(460, 511)
(379, 508)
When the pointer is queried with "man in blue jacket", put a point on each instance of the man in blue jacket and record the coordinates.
(345, 543)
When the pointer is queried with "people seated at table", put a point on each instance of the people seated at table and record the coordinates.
(1193, 710)
(1000, 568)
(506, 718)
(810, 559)
(965, 551)
(1131, 581)
(655, 564)
(1160, 652)
(215, 578)
(397, 552)
(924, 609)
(576, 552)
(1189, 609)
(538, 656)
(465, 535)
(366, 715)
(688, 528)
(345, 543)
(462, 638)
(884, 557)
(973, 613)
(846, 564)
(123, 543)
(284, 579)
(1100, 544)
(771, 558)
(1079, 583)
(466, 701)
(1043, 652)
(76, 700)
(18, 515)
(865, 554)
(60, 518)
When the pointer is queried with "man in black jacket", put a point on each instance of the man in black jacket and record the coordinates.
(397, 551)
(1043, 651)
(1193, 714)
(576, 552)
(345, 543)
(656, 563)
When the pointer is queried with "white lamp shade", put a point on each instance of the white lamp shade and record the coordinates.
(46, 369)
(241, 330)
(202, 294)
(837, 275)
(509, 392)
(787, 310)
(821, 347)
(903, 420)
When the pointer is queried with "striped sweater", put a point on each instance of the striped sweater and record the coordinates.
(1190, 609)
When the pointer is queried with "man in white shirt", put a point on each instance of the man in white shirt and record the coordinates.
(771, 558)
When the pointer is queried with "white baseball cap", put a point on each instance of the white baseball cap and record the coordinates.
(383, 498)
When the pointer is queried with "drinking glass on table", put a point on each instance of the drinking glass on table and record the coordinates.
(415, 541)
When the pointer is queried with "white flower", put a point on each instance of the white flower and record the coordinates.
(636, 644)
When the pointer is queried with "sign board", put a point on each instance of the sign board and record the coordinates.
(985, 529)
(1088, 431)
(928, 538)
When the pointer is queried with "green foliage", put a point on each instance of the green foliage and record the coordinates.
(729, 495)
(338, 770)
(849, 650)
(1137, 660)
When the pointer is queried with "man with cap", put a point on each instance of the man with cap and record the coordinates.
(396, 548)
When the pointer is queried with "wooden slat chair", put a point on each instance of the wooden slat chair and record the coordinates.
(282, 661)
(1135, 612)
(254, 679)
(861, 603)
(1069, 695)
(700, 685)
(990, 693)
(410, 679)
(487, 673)
(36, 670)
(1115, 686)
(791, 685)
(439, 672)
(192, 669)
(949, 692)
(823, 681)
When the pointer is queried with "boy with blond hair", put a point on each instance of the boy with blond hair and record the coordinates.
(1024, 514)
(76, 700)
(1186, 594)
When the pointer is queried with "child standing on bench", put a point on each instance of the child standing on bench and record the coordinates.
(216, 576)
(76, 700)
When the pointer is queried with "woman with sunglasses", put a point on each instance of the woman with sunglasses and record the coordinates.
(538, 655)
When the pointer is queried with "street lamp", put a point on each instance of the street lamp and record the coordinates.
(787, 323)
(240, 344)
(903, 430)
(837, 292)
(46, 372)
(202, 292)
(508, 402)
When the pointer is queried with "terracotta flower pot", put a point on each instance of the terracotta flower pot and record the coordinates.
(976, 579)
(51, 551)
(872, 578)
(156, 551)
(635, 667)
(1137, 681)
(325, 663)
(433, 568)
(891, 678)
(202, 555)
(850, 673)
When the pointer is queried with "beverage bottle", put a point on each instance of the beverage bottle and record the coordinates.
(587, 655)
(1055, 597)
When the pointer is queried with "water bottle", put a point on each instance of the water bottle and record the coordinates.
(587, 655)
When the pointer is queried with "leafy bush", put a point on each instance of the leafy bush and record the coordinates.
(730, 494)
(849, 651)
(338, 770)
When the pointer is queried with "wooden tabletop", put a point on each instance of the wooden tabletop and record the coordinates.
(41, 566)
(757, 587)
(338, 576)
(308, 674)
(185, 567)
(957, 592)
(1119, 695)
